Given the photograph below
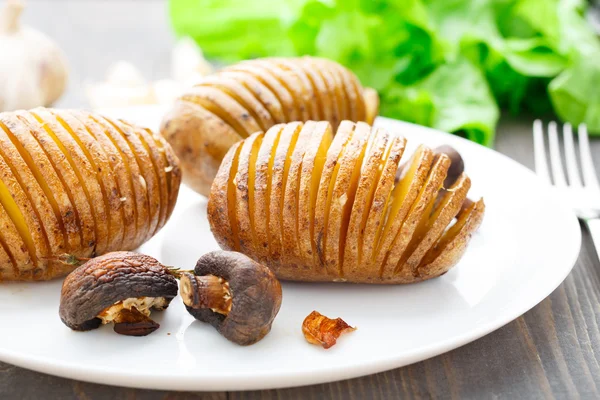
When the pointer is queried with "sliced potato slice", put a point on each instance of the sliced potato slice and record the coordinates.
(273, 84)
(322, 100)
(18, 251)
(136, 177)
(19, 150)
(400, 202)
(123, 198)
(417, 216)
(262, 190)
(244, 191)
(302, 87)
(85, 172)
(260, 91)
(372, 166)
(379, 207)
(160, 169)
(147, 176)
(359, 104)
(453, 243)
(225, 107)
(290, 247)
(104, 175)
(79, 219)
(281, 165)
(338, 89)
(289, 81)
(313, 163)
(325, 192)
(7, 265)
(240, 93)
(132, 201)
(331, 95)
(371, 100)
(33, 247)
(173, 171)
(447, 207)
(221, 203)
(354, 102)
(342, 199)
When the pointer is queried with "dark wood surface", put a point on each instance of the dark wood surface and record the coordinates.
(553, 351)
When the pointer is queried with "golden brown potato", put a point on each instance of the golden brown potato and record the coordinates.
(74, 185)
(329, 208)
(253, 96)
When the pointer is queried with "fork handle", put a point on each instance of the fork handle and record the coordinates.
(593, 226)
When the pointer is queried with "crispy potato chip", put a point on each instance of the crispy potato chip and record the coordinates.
(318, 207)
(255, 95)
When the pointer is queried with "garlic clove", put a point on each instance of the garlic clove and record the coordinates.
(166, 91)
(105, 95)
(124, 74)
(188, 62)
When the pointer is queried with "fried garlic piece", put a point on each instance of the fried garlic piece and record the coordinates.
(320, 330)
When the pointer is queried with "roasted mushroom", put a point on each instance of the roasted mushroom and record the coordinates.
(120, 287)
(233, 293)
(457, 165)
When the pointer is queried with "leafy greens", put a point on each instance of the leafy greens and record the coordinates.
(448, 64)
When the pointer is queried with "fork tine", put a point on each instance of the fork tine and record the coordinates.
(555, 160)
(587, 165)
(541, 166)
(570, 157)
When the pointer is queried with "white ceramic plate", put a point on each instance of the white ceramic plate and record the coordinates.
(524, 249)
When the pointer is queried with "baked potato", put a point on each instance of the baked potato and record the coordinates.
(74, 185)
(314, 206)
(253, 96)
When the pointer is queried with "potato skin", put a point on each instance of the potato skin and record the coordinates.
(344, 217)
(77, 185)
(255, 95)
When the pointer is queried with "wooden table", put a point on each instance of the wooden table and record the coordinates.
(553, 351)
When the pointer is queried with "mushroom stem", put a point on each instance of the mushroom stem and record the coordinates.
(10, 16)
(207, 291)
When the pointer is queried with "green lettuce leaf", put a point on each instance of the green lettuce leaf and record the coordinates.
(575, 93)
(449, 64)
(454, 98)
(231, 30)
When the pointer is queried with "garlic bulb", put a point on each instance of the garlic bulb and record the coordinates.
(188, 64)
(124, 86)
(33, 70)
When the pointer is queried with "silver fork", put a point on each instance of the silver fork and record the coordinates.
(583, 195)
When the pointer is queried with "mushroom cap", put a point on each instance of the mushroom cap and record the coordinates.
(256, 296)
(457, 165)
(109, 279)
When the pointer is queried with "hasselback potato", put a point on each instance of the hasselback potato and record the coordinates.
(253, 96)
(319, 207)
(74, 185)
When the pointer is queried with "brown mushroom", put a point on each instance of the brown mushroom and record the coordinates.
(233, 293)
(120, 287)
(457, 165)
